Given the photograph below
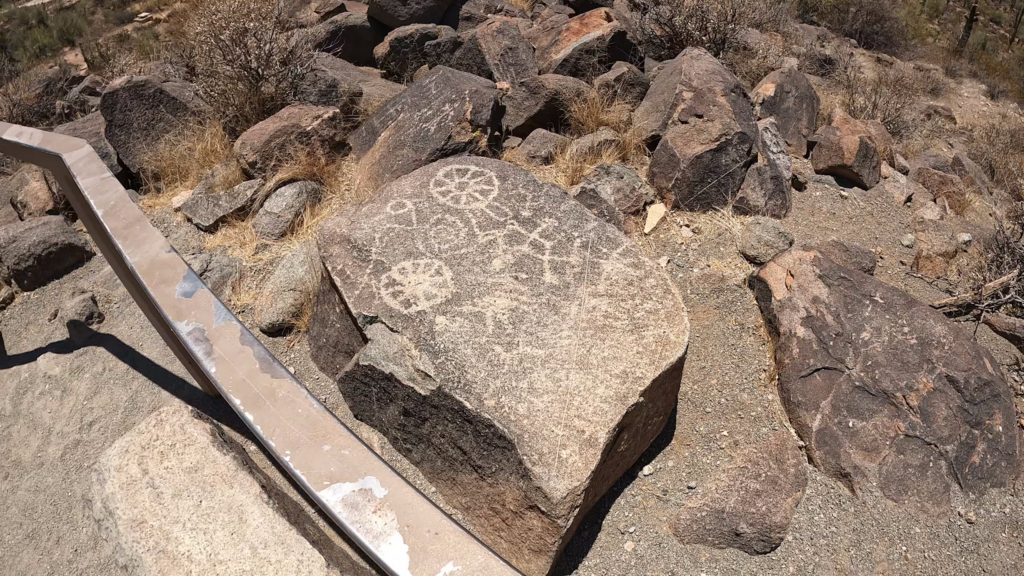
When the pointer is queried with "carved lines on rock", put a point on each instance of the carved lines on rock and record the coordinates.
(464, 187)
(416, 285)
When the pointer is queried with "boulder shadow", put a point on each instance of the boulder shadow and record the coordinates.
(82, 337)
(578, 548)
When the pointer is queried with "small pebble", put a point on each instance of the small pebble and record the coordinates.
(648, 470)
(691, 485)
(908, 240)
(629, 546)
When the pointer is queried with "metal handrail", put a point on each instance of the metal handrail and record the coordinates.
(396, 525)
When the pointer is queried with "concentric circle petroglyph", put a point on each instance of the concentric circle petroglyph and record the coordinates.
(465, 187)
(416, 285)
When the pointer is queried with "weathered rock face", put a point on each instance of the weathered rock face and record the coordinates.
(405, 50)
(944, 187)
(168, 490)
(541, 102)
(337, 78)
(849, 255)
(706, 127)
(767, 189)
(445, 114)
(350, 36)
(396, 13)
(613, 192)
(86, 96)
(209, 211)
(141, 110)
(284, 209)
(519, 351)
(788, 96)
(496, 50)
(750, 504)
(30, 193)
(90, 128)
(288, 291)
(297, 129)
(846, 149)
(585, 46)
(623, 83)
(539, 148)
(762, 239)
(39, 250)
(936, 243)
(330, 82)
(882, 388)
(465, 15)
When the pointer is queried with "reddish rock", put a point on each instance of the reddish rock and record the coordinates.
(944, 187)
(298, 129)
(496, 50)
(30, 193)
(884, 390)
(585, 46)
(847, 149)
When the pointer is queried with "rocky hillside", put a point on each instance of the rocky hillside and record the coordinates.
(746, 305)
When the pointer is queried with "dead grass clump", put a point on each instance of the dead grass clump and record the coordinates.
(665, 28)
(889, 96)
(242, 61)
(999, 149)
(181, 160)
(752, 64)
(594, 111)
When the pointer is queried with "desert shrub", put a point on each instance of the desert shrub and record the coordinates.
(246, 68)
(752, 64)
(874, 24)
(889, 96)
(123, 53)
(665, 28)
(30, 98)
(999, 149)
(32, 34)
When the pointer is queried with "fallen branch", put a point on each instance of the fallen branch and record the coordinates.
(1008, 327)
(969, 299)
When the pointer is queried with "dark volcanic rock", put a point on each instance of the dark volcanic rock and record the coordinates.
(884, 389)
(30, 192)
(768, 186)
(541, 102)
(209, 211)
(446, 114)
(333, 76)
(849, 255)
(789, 97)
(90, 128)
(407, 49)
(750, 504)
(496, 50)
(504, 318)
(539, 148)
(37, 251)
(141, 110)
(613, 192)
(623, 83)
(465, 15)
(396, 13)
(706, 124)
(350, 36)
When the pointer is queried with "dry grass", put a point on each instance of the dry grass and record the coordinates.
(527, 5)
(999, 149)
(181, 160)
(594, 111)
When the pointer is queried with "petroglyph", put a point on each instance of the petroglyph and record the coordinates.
(555, 347)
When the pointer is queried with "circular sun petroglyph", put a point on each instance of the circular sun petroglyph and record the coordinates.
(447, 234)
(465, 187)
(416, 285)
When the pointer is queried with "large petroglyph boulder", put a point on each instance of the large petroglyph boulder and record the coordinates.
(520, 351)
(789, 97)
(885, 390)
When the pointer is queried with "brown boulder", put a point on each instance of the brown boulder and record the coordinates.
(947, 188)
(623, 83)
(541, 102)
(521, 352)
(706, 124)
(750, 504)
(354, 90)
(847, 149)
(37, 251)
(446, 114)
(885, 390)
(409, 48)
(539, 149)
(397, 13)
(141, 110)
(30, 193)
(496, 50)
(789, 97)
(584, 46)
(91, 128)
(350, 36)
(465, 15)
(296, 130)
(613, 192)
